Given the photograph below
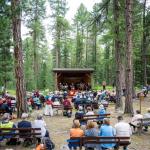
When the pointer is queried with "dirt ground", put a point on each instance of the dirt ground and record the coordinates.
(59, 127)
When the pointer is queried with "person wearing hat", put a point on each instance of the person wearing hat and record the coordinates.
(147, 115)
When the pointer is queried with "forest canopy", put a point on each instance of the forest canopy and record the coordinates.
(88, 41)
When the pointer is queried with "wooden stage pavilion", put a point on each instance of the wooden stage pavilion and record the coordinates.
(72, 75)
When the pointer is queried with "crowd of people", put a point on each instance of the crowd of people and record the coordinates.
(91, 128)
(77, 86)
(80, 128)
(6, 122)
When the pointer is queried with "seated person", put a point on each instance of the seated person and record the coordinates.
(6, 123)
(40, 123)
(147, 115)
(67, 108)
(107, 130)
(135, 120)
(122, 129)
(25, 124)
(89, 111)
(79, 114)
(101, 112)
(5, 107)
(75, 132)
(91, 130)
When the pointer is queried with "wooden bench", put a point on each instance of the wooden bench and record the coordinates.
(95, 117)
(20, 133)
(97, 140)
(61, 107)
(143, 123)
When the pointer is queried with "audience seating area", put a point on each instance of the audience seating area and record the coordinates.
(95, 117)
(20, 133)
(82, 141)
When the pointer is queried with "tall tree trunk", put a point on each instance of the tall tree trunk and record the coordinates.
(95, 50)
(118, 60)
(20, 89)
(129, 61)
(86, 48)
(144, 59)
(35, 59)
(58, 58)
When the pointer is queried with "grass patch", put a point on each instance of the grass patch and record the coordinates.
(12, 92)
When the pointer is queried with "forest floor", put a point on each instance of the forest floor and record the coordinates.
(59, 127)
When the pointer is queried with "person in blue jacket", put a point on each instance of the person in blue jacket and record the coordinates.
(107, 130)
(101, 111)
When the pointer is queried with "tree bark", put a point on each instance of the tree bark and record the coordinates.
(129, 61)
(118, 60)
(20, 89)
(144, 59)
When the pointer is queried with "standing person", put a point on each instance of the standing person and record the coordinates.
(107, 130)
(135, 120)
(104, 85)
(122, 129)
(48, 108)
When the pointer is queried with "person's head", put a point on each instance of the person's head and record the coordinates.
(90, 124)
(148, 110)
(120, 118)
(138, 111)
(24, 116)
(39, 117)
(6, 117)
(101, 106)
(80, 108)
(106, 121)
(76, 124)
(89, 108)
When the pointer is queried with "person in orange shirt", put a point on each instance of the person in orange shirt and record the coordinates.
(76, 131)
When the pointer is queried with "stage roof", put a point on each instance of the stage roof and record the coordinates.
(73, 70)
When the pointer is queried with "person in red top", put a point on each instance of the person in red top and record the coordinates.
(67, 108)
(48, 108)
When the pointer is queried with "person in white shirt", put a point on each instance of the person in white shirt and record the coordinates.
(40, 123)
(135, 120)
(122, 129)
(89, 111)
(147, 115)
